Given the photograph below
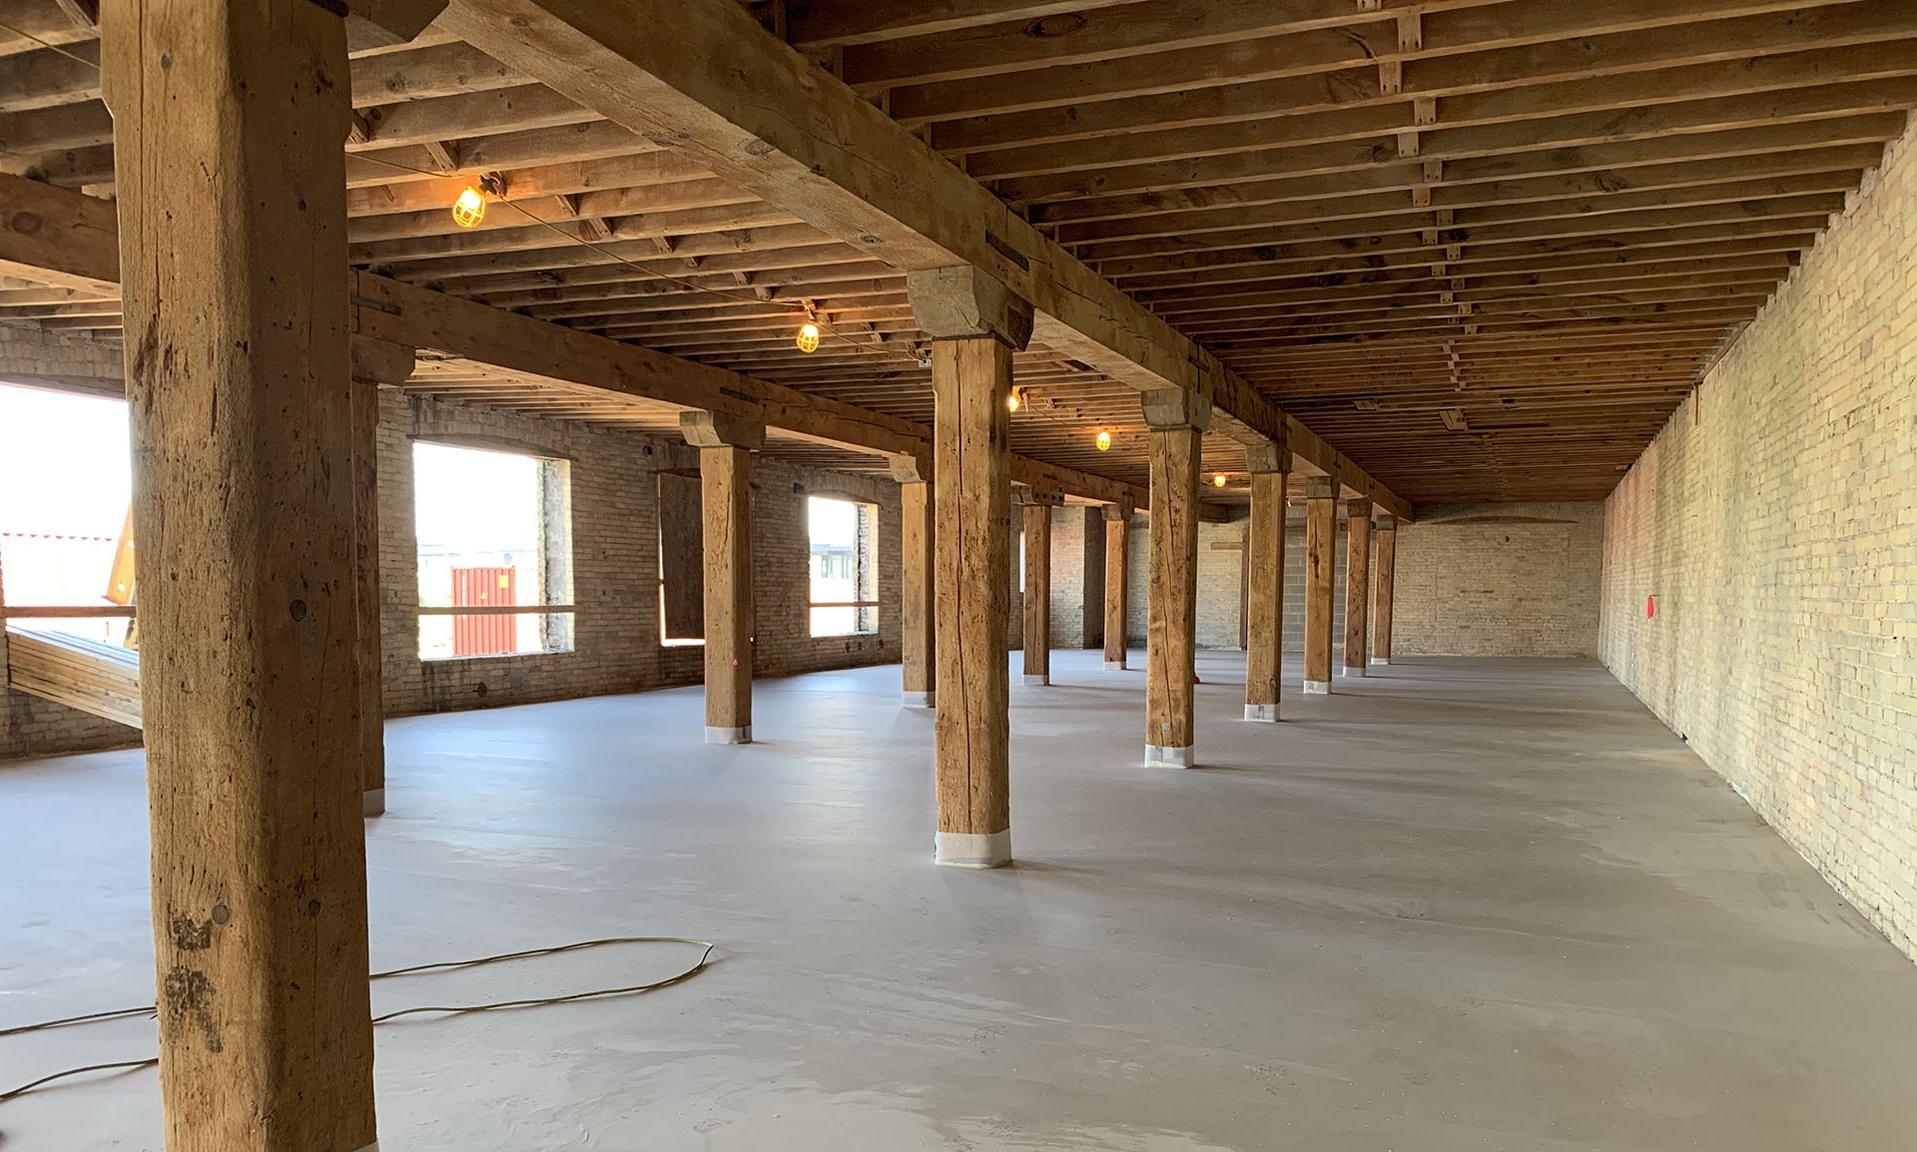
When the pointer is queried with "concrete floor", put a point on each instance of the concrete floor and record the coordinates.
(1465, 905)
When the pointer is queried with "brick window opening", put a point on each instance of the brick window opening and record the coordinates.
(66, 542)
(844, 566)
(495, 552)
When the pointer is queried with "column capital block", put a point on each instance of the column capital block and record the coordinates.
(1170, 409)
(705, 429)
(382, 361)
(1119, 513)
(915, 469)
(1384, 522)
(1321, 488)
(1269, 457)
(964, 303)
(1358, 509)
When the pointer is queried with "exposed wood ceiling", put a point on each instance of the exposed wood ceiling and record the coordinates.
(1482, 246)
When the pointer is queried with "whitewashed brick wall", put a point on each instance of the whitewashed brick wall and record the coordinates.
(1774, 520)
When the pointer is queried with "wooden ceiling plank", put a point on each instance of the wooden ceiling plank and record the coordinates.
(788, 132)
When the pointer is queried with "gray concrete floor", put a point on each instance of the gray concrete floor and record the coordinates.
(1461, 905)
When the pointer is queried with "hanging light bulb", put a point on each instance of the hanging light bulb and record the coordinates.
(1013, 399)
(1104, 441)
(1218, 481)
(808, 338)
(470, 208)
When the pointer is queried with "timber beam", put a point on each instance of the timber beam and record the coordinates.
(776, 125)
(59, 236)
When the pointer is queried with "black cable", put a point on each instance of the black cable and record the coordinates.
(705, 957)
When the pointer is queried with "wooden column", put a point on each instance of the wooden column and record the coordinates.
(1177, 421)
(375, 363)
(918, 638)
(230, 117)
(975, 325)
(1357, 585)
(1036, 514)
(1118, 525)
(726, 444)
(1270, 468)
(1383, 582)
(1321, 529)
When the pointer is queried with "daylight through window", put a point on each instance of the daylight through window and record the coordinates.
(844, 561)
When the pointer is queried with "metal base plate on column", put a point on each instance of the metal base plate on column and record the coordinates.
(1376, 661)
(1349, 670)
(729, 735)
(372, 802)
(1160, 756)
(972, 849)
(1317, 687)
(1039, 681)
(916, 699)
(1114, 665)
(1263, 713)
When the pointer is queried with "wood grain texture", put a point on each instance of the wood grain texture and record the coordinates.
(1357, 582)
(1321, 527)
(1037, 519)
(231, 190)
(918, 594)
(974, 500)
(1265, 590)
(725, 477)
(1383, 584)
(366, 614)
(1171, 620)
(1117, 587)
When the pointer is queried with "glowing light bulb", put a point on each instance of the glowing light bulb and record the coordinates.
(1013, 399)
(808, 338)
(1104, 441)
(1218, 481)
(470, 208)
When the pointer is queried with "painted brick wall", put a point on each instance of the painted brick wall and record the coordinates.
(615, 557)
(1775, 521)
(615, 565)
(1499, 580)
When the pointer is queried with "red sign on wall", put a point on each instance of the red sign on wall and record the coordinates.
(1650, 607)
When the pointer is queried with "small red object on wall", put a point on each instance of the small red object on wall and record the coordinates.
(1650, 607)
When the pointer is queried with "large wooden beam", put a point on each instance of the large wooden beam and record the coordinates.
(1321, 530)
(376, 365)
(1270, 470)
(918, 593)
(778, 126)
(230, 115)
(1384, 584)
(58, 236)
(972, 377)
(1118, 518)
(1177, 422)
(725, 447)
(1357, 585)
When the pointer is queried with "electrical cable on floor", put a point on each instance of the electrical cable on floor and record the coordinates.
(705, 957)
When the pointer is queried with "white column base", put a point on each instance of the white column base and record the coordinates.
(1160, 756)
(1039, 681)
(372, 802)
(917, 699)
(1349, 670)
(1263, 713)
(1114, 665)
(1317, 687)
(972, 849)
(729, 735)
(1379, 660)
